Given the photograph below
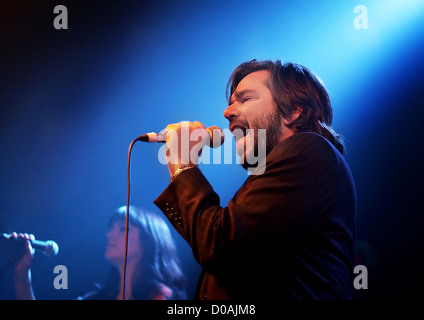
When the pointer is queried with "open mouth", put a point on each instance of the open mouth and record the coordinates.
(239, 132)
(243, 137)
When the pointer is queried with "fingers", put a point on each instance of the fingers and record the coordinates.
(193, 131)
(199, 124)
(177, 126)
(184, 143)
(26, 236)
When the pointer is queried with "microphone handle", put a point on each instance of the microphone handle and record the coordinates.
(48, 247)
(38, 244)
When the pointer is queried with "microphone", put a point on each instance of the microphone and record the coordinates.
(216, 137)
(49, 247)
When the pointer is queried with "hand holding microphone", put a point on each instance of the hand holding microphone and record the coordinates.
(16, 240)
(185, 141)
(216, 135)
(20, 243)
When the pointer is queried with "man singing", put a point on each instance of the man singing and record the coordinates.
(289, 231)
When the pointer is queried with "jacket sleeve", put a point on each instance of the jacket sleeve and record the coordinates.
(282, 204)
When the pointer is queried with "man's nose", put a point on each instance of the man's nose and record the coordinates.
(231, 112)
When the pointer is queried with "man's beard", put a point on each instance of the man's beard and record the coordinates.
(263, 143)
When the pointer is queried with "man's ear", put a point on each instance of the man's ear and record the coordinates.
(296, 114)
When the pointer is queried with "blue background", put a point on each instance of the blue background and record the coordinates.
(73, 100)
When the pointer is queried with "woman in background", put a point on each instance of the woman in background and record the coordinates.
(153, 271)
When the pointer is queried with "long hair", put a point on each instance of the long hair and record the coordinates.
(294, 86)
(159, 264)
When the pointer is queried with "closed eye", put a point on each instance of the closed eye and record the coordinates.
(242, 96)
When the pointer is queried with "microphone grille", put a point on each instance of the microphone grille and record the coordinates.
(52, 248)
(217, 136)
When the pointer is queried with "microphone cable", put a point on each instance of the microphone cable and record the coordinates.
(127, 219)
(127, 216)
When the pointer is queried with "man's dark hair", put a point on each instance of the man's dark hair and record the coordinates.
(294, 86)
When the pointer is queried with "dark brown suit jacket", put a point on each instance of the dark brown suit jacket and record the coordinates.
(287, 234)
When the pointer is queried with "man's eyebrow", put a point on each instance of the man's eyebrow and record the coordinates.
(239, 94)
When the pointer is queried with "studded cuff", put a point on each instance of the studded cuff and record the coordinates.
(181, 169)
